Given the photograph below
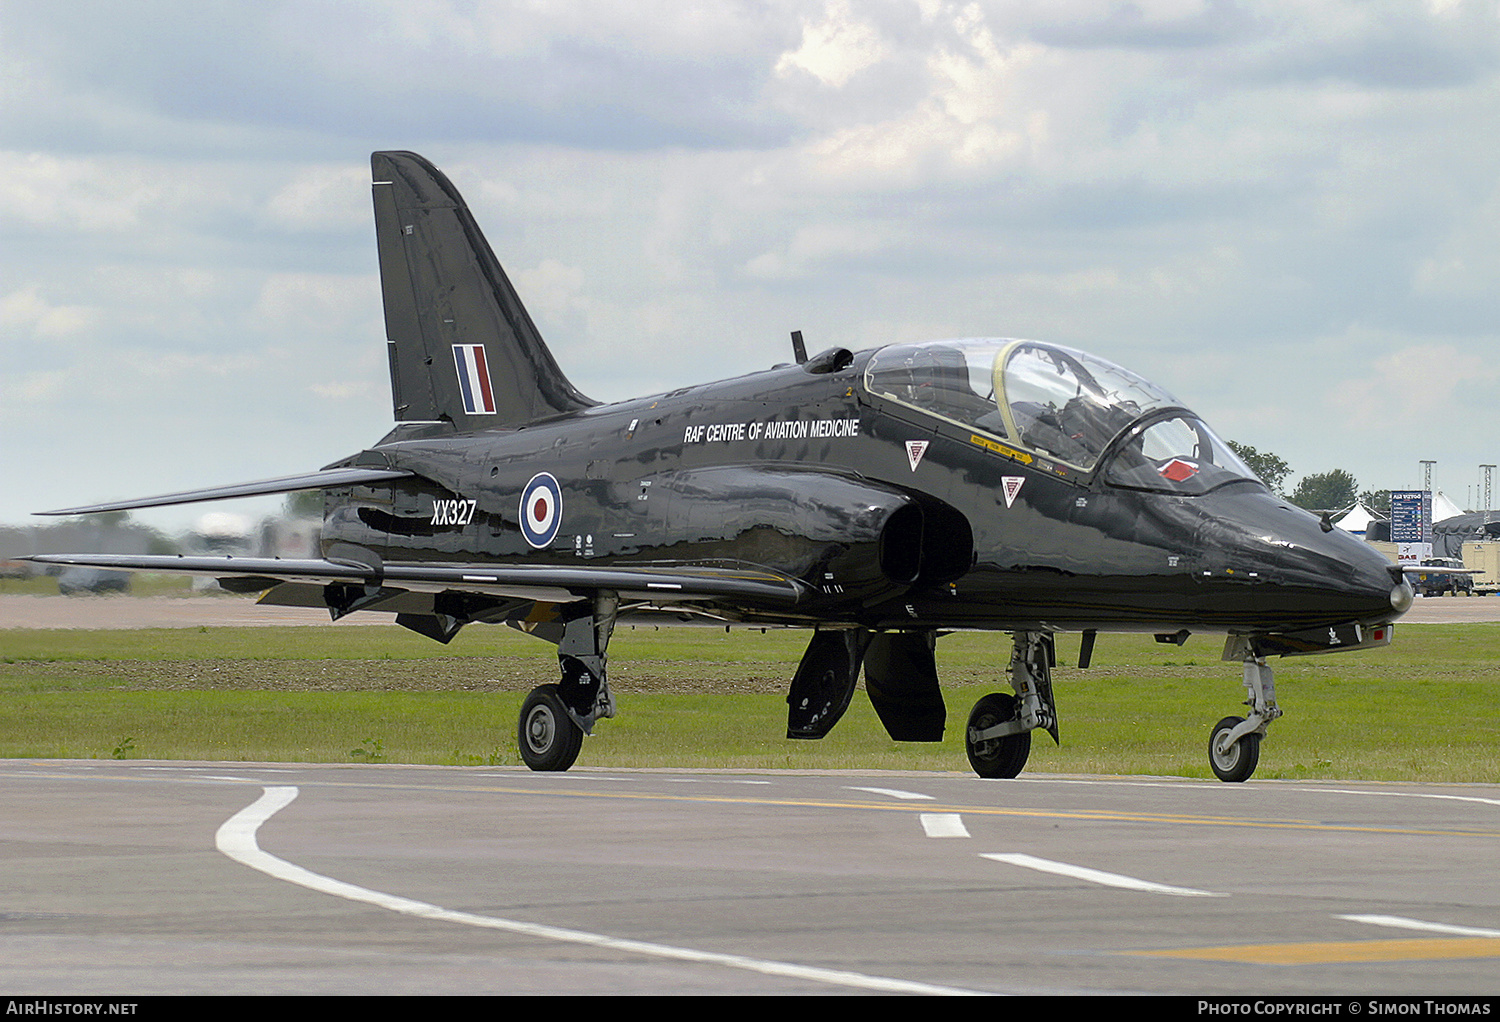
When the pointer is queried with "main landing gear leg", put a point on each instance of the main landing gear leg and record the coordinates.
(554, 718)
(1234, 746)
(998, 739)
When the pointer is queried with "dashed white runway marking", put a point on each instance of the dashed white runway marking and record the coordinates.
(944, 825)
(1096, 876)
(894, 793)
(236, 839)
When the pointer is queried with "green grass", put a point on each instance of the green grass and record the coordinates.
(1426, 708)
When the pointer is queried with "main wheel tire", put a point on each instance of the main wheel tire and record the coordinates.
(548, 738)
(996, 757)
(1237, 762)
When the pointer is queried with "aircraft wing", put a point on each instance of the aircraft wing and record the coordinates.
(542, 582)
(1438, 569)
(261, 487)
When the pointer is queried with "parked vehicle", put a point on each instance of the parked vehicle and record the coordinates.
(1439, 582)
(1483, 558)
(76, 581)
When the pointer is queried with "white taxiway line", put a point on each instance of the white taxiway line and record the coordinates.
(236, 839)
(1096, 876)
(1409, 794)
(1292, 788)
(1403, 923)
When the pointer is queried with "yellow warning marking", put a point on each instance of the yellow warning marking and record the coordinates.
(1009, 452)
(1328, 952)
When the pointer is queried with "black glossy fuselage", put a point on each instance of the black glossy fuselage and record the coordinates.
(889, 518)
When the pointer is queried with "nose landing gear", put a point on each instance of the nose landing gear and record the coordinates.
(1234, 745)
(1233, 760)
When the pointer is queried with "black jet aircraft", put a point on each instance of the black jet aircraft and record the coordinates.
(880, 499)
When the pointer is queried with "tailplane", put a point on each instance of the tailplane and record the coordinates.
(462, 347)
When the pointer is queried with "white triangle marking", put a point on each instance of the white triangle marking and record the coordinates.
(1012, 486)
(914, 451)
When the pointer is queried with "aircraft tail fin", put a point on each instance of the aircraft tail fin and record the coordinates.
(462, 346)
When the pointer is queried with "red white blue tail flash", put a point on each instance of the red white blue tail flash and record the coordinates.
(474, 379)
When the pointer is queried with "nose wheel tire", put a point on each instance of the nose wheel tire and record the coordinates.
(996, 757)
(1238, 761)
(548, 738)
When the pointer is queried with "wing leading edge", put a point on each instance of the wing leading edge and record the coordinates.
(261, 487)
(546, 583)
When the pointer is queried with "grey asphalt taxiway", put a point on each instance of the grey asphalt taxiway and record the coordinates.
(212, 878)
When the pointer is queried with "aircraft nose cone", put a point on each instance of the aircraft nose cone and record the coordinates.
(1403, 593)
(1296, 575)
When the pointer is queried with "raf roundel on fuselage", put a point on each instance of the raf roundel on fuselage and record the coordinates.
(541, 510)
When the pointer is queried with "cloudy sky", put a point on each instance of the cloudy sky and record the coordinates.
(1286, 214)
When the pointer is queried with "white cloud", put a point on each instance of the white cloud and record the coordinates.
(27, 310)
(1418, 387)
(184, 365)
(323, 198)
(307, 305)
(552, 289)
(836, 48)
(1465, 263)
(346, 390)
(68, 193)
(28, 388)
(811, 248)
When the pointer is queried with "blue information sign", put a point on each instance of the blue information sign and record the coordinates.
(1411, 516)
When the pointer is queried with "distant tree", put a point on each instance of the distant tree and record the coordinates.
(158, 542)
(304, 504)
(1378, 501)
(1325, 491)
(1271, 469)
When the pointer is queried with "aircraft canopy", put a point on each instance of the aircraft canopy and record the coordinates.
(1064, 404)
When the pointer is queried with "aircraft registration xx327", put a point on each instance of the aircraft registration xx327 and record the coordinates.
(879, 498)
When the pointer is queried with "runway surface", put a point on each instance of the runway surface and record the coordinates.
(218, 878)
